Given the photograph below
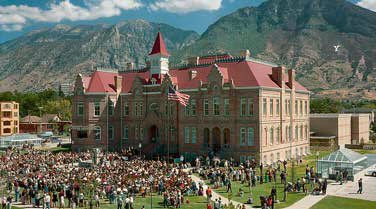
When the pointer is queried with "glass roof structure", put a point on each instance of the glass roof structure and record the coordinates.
(343, 160)
(19, 139)
(344, 155)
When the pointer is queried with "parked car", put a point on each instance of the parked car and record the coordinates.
(371, 172)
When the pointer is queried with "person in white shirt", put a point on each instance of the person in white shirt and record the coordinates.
(47, 200)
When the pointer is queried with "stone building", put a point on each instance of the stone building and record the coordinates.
(336, 130)
(239, 107)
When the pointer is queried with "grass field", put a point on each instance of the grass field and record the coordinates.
(364, 151)
(265, 189)
(196, 202)
(331, 202)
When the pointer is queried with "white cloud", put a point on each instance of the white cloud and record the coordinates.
(368, 4)
(186, 6)
(15, 17)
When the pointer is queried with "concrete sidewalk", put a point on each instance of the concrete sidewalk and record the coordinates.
(345, 190)
(225, 201)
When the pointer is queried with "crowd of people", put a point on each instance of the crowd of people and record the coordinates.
(44, 179)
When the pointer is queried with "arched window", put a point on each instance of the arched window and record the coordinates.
(301, 132)
(266, 136)
(271, 135)
(226, 136)
(278, 135)
(206, 137)
(251, 136)
(287, 134)
(271, 158)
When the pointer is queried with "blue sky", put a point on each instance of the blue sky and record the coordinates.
(18, 17)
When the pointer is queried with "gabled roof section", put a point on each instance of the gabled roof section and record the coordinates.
(159, 46)
(102, 82)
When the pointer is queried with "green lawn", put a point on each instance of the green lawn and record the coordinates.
(364, 151)
(196, 202)
(265, 189)
(331, 202)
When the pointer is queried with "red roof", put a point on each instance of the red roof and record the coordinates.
(242, 73)
(102, 82)
(159, 46)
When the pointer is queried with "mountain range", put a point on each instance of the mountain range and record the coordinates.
(331, 44)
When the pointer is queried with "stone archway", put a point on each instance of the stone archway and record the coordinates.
(154, 133)
(216, 139)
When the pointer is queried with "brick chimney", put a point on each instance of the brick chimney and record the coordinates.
(245, 53)
(130, 65)
(118, 83)
(193, 60)
(291, 82)
(278, 75)
(192, 74)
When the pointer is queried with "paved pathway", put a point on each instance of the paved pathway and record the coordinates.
(345, 190)
(216, 195)
(349, 189)
(19, 205)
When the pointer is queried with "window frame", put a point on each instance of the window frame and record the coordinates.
(97, 107)
(206, 107)
(80, 106)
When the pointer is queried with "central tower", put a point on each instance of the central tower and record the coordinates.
(158, 58)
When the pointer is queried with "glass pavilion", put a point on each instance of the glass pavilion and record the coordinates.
(339, 161)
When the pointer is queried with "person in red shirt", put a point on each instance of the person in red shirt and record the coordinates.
(208, 206)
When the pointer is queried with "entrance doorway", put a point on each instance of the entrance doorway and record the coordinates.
(216, 139)
(154, 133)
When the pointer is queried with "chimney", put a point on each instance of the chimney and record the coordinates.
(130, 66)
(291, 82)
(192, 74)
(245, 53)
(118, 79)
(278, 75)
(193, 60)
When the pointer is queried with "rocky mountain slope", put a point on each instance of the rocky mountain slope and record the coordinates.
(331, 44)
(47, 57)
(301, 34)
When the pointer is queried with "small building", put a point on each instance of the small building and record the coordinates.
(9, 117)
(335, 130)
(48, 123)
(328, 125)
(340, 161)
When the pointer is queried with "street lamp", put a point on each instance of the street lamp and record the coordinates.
(317, 160)
(151, 180)
(140, 146)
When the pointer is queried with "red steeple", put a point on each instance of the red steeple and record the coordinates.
(159, 46)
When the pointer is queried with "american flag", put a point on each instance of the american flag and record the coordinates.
(177, 96)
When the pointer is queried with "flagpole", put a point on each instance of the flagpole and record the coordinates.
(168, 129)
(177, 127)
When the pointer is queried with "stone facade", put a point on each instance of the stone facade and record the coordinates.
(346, 128)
